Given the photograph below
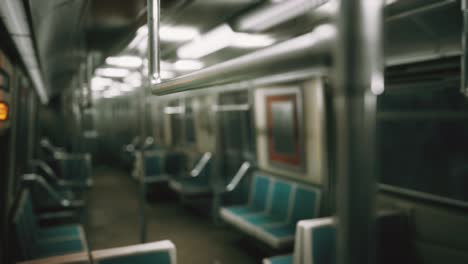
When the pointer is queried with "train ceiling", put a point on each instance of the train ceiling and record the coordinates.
(65, 31)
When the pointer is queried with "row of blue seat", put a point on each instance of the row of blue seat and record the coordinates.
(274, 207)
(36, 242)
(315, 241)
(161, 252)
(67, 243)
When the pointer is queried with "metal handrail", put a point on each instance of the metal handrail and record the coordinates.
(240, 174)
(201, 164)
(45, 143)
(315, 45)
(46, 168)
(63, 201)
(49, 172)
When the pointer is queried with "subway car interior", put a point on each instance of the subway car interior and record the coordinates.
(234, 131)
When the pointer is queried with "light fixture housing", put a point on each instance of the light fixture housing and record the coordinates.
(112, 72)
(177, 33)
(219, 38)
(100, 83)
(125, 61)
(188, 65)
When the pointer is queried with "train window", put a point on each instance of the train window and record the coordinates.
(4, 81)
(422, 140)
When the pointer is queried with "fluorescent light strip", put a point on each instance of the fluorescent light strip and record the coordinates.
(269, 16)
(219, 38)
(99, 83)
(177, 33)
(125, 61)
(245, 40)
(216, 39)
(188, 65)
(112, 72)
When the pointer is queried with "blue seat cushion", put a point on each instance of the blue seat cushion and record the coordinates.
(59, 231)
(261, 219)
(56, 248)
(286, 259)
(161, 257)
(242, 210)
(280, 231)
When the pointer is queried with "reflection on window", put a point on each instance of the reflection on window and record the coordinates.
(423, 142)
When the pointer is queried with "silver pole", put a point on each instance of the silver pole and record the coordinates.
(314, 45)
(153, 77)
(153, 41)
(359, 79)
(464, 62)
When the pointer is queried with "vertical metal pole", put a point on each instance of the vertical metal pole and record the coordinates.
(359, 79)
(216, 180)
(153, 77)
(153, 41)
(464, 37)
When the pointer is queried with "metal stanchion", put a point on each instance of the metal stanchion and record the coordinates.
(359, 79)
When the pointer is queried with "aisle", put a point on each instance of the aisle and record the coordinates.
(113, 222)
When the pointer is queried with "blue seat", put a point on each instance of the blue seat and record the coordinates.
(75, 258)
(285, 259)
(154, 166)
(316, 240)
(162, 252)
(315, 243)
(273, 209)
(35, 242)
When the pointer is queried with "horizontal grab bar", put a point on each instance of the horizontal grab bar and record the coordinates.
(315, 47)
(65, 202)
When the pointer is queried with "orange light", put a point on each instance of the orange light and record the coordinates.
(3, 111)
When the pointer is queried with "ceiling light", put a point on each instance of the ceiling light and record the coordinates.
(143, 30)
(216, 39)
(246, 40)
(167, 75)
(267, 17)
(99, 83)
(125, 61)
(141, 36)
(142, 47)
(111, 93)
(112, 72)
(219, 38)
(188, 65)
(124, 87)
(133, 79)
(177, 33)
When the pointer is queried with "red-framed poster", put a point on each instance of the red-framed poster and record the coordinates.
(285, 127)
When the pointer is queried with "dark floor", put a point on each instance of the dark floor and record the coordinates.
(114, 221)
